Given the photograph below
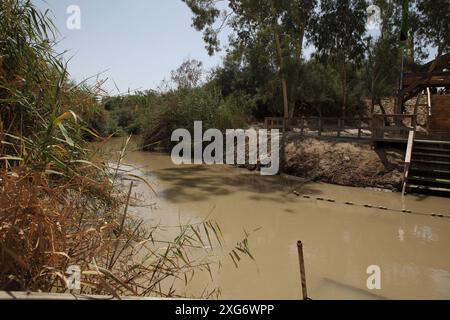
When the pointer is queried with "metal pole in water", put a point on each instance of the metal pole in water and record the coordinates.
(302, 269)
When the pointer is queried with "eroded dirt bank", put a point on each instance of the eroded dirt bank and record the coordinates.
(345, 163)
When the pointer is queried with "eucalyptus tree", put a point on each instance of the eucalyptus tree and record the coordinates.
(434, 24)
(285, 21)
(382, 61)
(338, 36)
(188, 75)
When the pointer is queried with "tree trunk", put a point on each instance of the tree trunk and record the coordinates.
(283, 84)
(281, 74)
(344, 90)
(280, 61)
(298, 59)
(411, 49)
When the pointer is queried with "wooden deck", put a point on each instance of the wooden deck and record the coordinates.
(434, 74)
(423, 79)
(427, 160)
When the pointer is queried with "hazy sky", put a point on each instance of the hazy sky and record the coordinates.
(138, 41)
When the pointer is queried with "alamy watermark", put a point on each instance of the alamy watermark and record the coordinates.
(73, 22)
(73, 279)
(241, 147)
(373, 17)
(374, 280)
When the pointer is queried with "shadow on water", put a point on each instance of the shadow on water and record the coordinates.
(209, 183)
(424, 194)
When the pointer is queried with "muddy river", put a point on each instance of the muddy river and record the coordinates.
(340, 240)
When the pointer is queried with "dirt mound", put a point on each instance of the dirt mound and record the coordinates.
(344, 163)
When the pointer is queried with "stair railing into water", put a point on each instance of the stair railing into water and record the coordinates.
(408, 156)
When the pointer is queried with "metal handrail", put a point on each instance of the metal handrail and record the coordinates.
(408, 157)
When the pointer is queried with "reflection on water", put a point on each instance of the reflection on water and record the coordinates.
(425, 233)
(340, 241)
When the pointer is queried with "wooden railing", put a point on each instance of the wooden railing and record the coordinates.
(321, 125)
(273, 123)
(379, 127)
(392, 126)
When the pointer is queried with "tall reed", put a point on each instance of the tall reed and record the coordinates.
(59, 205)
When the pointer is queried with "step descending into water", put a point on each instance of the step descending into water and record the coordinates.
(430, 167)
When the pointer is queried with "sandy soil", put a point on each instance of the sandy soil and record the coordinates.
(344, 163)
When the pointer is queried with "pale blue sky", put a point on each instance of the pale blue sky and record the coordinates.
(138, 41)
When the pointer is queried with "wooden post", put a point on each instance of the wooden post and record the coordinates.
(302, 269)
(339, 127)
(429, 107)
(359, 127)
(376, 120)
(414, 121)
(302, 125)
(408, 156)
(319, 132)
(373, 127)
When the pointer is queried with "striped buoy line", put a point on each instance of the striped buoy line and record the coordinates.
(370, 206)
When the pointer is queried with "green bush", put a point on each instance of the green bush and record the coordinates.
(180, 108)
(124, 113)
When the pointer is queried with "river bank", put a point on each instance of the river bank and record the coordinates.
(342, 162)
(354, 164)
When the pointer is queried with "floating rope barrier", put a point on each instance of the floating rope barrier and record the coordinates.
(370, 206)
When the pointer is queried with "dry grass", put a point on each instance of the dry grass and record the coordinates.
(59, 203)
(46, 227)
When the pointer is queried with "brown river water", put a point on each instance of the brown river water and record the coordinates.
(340, 241)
